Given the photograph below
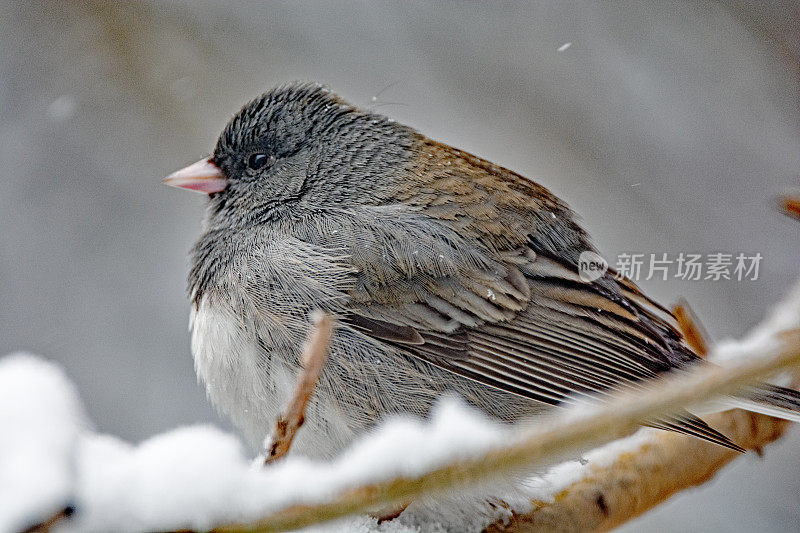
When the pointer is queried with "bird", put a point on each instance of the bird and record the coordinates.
(447, 275)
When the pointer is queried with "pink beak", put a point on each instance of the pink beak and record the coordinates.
(203, 176)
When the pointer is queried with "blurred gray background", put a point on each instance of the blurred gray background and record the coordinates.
(669, 126)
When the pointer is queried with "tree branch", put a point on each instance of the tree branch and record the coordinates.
(314, 356)
(47, 525)
(665, 465)
(790, 204)
(643, 478)
(550, 444)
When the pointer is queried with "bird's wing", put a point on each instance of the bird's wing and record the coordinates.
(500, 302)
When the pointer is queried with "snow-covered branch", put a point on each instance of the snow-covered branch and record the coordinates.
(566, 437)
(459, 470)
(656, 466)
(625, 483)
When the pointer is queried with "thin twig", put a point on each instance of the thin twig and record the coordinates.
(693, 331)
(314, 356)
(790, 204)
(47, 525)
(564, 438)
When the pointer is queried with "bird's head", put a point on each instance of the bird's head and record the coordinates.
(296, 146)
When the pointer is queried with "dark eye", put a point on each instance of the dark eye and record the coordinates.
(259, 160)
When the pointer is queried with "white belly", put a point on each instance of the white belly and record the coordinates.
(252, 387)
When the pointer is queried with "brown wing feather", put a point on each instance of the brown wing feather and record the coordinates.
(510, 310)
(541, 369)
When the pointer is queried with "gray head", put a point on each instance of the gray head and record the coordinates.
(296, 147)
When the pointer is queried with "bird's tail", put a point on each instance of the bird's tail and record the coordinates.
(771, 400)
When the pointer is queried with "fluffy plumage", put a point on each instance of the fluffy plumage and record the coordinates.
(448, 274)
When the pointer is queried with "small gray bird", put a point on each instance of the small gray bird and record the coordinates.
(447, 273)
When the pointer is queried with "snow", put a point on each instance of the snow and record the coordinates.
(785, 316)
(546, 486)
(41, 418)
(62, 108)
(198, 477)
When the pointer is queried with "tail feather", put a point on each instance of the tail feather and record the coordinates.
(771, 400)
(688, 424)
